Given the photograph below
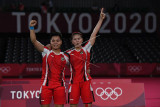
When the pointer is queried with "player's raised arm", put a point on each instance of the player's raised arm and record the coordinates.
(97, 27)
(36, 43)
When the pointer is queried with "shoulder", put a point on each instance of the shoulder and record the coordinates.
(65, 55)
(70, 51)
(88, 43)
(45, 51)
(46, 47)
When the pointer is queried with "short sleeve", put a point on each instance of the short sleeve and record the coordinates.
(66, 58)
(88, 46)
(45, 51)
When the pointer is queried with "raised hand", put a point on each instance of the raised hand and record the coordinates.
(36, 43)
(97, 27)
(33, 23)
(102, 14)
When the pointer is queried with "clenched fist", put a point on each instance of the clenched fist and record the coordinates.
(33, 23)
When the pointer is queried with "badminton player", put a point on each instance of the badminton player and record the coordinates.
(80, 81)
(54, 61)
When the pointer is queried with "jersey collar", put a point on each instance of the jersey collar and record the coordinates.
(56, 53)
(78, 50)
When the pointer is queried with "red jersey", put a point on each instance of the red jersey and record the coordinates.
(78, 63)
(88, 64)
(88, 60)
(54, 68)
(43, 66)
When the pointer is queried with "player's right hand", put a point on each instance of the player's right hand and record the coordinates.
(33, 23)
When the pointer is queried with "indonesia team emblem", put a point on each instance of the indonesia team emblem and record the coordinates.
(62, 58)
(81, 52)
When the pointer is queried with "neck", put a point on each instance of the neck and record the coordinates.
(78, 48)
(57, 51)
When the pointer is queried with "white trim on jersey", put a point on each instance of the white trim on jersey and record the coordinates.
(77, 50)
(67, 62)
(63, 79)
(66, 58)
(40, 90)
(70, 51)
(86, 71)
(43, 55)
(46, 75)
(70, 88)
(44, 52)
(88, 46)
(71, 73)
(70, 66)
(56, 53)
(85, 68)
(91, 87)
(86, 49)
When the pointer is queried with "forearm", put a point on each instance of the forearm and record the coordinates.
(36, 43)
(95, 31)
(33, 36)
(97, 27)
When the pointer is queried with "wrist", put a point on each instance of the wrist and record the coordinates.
(31, 27)
(100, 19)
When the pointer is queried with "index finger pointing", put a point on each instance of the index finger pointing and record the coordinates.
(102, 10)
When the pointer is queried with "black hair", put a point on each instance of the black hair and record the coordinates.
(56, 34)
(76, 33)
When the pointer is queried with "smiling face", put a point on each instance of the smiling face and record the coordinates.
(77, 40)
(56, 42)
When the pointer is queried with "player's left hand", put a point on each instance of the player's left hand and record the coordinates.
(102, 14)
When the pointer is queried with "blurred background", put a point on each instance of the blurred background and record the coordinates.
(79, 6)
(130, 33)
(127, 45)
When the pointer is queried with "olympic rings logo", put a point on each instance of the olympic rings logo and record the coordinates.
(109, 92)
(5, 69)
(134, 68)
